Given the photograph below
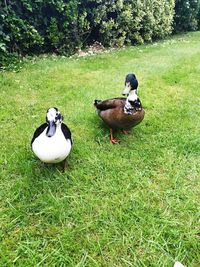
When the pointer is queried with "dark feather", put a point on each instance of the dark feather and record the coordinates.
(38, 131)
(107, 104)
(66, 132)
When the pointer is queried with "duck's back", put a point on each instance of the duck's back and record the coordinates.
(112, 113)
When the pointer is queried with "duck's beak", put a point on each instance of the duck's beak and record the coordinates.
(51, 130)
(126, 89)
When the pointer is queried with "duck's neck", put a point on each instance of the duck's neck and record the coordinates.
(132, 95)
(128, 108)
(58, 127)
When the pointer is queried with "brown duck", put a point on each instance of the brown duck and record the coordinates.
(122, 113)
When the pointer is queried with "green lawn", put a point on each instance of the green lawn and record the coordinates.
(131, 204)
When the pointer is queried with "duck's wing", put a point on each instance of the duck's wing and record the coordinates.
(66, 131)
(38, 131)
(109, 103)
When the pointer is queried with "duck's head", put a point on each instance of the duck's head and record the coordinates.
(131, 84)
(53, 119)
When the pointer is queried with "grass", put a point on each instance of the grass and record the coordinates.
(132, 204)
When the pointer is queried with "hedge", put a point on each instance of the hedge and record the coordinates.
(63, 26)
(187, 16)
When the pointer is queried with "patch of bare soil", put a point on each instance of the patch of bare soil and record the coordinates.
(93, 49)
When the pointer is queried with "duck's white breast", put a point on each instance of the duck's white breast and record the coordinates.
(51, 149)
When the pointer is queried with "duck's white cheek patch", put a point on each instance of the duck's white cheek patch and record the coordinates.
(50, 117)
(178, 264)
(51, 114)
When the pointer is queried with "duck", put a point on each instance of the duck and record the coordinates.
(52, 141)
(122, 112)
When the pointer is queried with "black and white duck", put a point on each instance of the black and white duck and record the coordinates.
(122, 113)
(52, 141)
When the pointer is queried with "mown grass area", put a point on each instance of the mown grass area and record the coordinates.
(132, 204)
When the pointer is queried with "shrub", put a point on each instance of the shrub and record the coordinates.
(118, 22)
(186, 15)
(63, 26)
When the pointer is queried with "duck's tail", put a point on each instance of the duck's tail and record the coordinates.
(96, 103)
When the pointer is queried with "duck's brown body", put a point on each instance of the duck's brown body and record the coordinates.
(112, 113)
(122, 113)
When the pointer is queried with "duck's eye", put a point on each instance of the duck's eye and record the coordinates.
(58, 116)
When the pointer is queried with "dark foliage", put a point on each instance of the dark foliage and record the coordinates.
(186, 15)
(63, 26)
